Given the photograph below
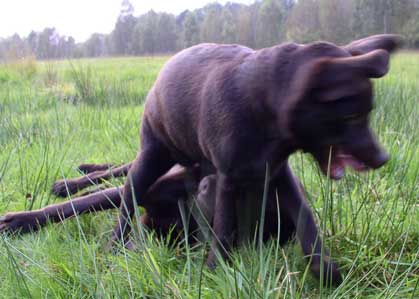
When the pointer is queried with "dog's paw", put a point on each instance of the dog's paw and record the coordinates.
(211, 261)
(89, 168)
(19, 222)
(331, 273)
(64, 188)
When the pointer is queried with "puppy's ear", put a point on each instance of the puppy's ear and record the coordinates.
(388, 42)
(334, 78)
(372, 65)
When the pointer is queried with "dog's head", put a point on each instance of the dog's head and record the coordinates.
(333, 100)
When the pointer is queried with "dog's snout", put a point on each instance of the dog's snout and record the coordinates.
(380, 159)
(365, 148)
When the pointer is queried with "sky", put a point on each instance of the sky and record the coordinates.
(80, 18)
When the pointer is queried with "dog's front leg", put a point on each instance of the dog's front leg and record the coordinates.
(294, 204)
(224, 222)
(153, 161)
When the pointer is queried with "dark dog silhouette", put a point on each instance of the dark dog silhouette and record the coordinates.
(234, 111)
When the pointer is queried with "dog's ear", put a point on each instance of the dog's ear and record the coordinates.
(372, 65)
(334, 78)
(388, 42)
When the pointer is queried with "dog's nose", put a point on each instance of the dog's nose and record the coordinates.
(381, 158)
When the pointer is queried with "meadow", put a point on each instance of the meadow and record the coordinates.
(55, 115)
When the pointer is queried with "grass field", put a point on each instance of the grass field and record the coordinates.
(56, 115)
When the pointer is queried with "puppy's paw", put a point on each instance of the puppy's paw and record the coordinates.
(211, 261)
(20, 222)
(331, 273)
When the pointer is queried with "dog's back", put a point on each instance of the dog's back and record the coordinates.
(206, 88)
(175, 102)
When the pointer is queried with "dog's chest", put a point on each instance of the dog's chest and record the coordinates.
(251, 162)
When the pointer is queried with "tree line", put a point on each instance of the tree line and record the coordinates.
(261, 24)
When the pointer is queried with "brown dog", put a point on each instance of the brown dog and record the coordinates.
(237, 110)
(233, 111)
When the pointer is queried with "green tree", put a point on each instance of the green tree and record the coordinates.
(270, 23)
(212, 24)
(122, 35)
(32, 41)
(190, 33)
(165, 38)
(381, 16)
(47, 41)
(304, 22)
(245, 27)
(65, 47)
(95, 45)
(145, 32)
(335, 20)
(229, 30)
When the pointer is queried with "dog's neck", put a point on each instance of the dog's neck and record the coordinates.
(266, 78)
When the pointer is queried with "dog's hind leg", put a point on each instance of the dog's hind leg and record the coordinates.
(295, 206)
(28, 221)
(67, 187)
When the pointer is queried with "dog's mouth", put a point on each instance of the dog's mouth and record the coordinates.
(361, 154)
(333, 163)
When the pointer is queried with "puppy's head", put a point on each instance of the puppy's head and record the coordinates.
(329, 117)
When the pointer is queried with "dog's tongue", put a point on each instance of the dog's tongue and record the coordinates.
(337, 169)
(338, 164)
(352, 162)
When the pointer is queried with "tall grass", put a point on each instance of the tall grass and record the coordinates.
(67, 113)
(18, 69)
